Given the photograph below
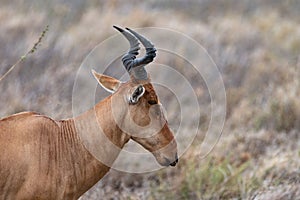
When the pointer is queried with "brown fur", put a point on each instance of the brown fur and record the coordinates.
(41, 158)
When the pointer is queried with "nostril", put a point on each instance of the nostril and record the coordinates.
(175, 161)
(173, 164)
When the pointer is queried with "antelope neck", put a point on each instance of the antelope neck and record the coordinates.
(99, 132)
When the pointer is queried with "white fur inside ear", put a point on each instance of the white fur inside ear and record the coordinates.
(137, 94)
(105, 88)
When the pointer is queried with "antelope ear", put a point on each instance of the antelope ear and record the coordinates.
(110, 84)
(136, 94)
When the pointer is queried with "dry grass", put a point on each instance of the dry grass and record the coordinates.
(256, 46)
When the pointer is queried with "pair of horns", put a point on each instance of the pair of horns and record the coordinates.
(136, 66)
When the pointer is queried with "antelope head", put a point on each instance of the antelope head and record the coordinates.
(139, 114)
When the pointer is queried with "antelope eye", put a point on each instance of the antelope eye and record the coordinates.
(152, 102)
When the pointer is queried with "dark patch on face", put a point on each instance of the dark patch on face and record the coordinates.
(150, 94)
(152, 102)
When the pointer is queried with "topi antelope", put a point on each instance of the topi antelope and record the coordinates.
(41, 158)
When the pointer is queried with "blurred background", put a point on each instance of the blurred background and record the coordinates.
(256, 46)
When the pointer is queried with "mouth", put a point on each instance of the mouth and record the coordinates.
(167, 162)
(173, 164)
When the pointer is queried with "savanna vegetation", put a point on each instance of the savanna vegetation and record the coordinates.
(256, 46)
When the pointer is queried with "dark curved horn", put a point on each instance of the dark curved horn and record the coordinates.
(133, 51)
(133, 65)
(150, 50)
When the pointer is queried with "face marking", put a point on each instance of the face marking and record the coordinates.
(150, 94)
(152, 102)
